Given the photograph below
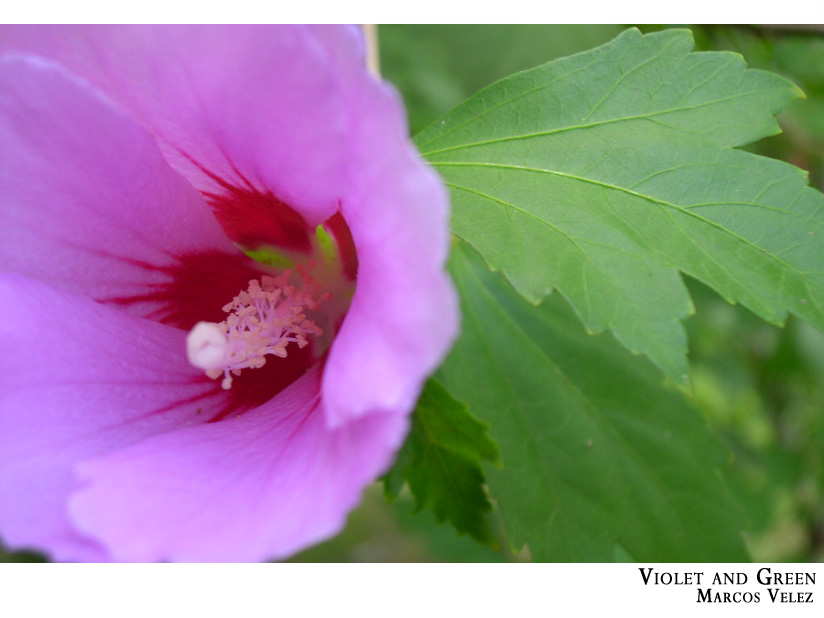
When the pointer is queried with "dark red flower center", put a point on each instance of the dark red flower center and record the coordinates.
(266, 326)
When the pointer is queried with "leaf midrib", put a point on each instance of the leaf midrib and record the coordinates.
(649, 198)
(621, 291)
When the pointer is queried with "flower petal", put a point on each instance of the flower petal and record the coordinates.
(404, 315)
(89, 204)
(258, 487)
(279, 114)
(79, 379)
(253, 106)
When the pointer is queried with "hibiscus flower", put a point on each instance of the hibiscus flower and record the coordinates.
(162, 395)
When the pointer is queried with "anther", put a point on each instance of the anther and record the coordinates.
(263, 320)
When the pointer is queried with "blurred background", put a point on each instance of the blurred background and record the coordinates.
(760, 387)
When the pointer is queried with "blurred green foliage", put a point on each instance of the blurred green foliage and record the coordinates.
(760, 387)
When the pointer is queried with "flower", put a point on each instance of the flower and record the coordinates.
(135, 163)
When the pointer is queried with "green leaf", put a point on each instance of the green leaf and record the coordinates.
(596, 452)
(441, 461)
(605, 174)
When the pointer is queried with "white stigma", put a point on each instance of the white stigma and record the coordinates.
(264, 319)
(206, 346)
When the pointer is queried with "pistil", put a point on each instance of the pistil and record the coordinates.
(263, 320)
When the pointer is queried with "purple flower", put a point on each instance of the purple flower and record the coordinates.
(133, 164)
